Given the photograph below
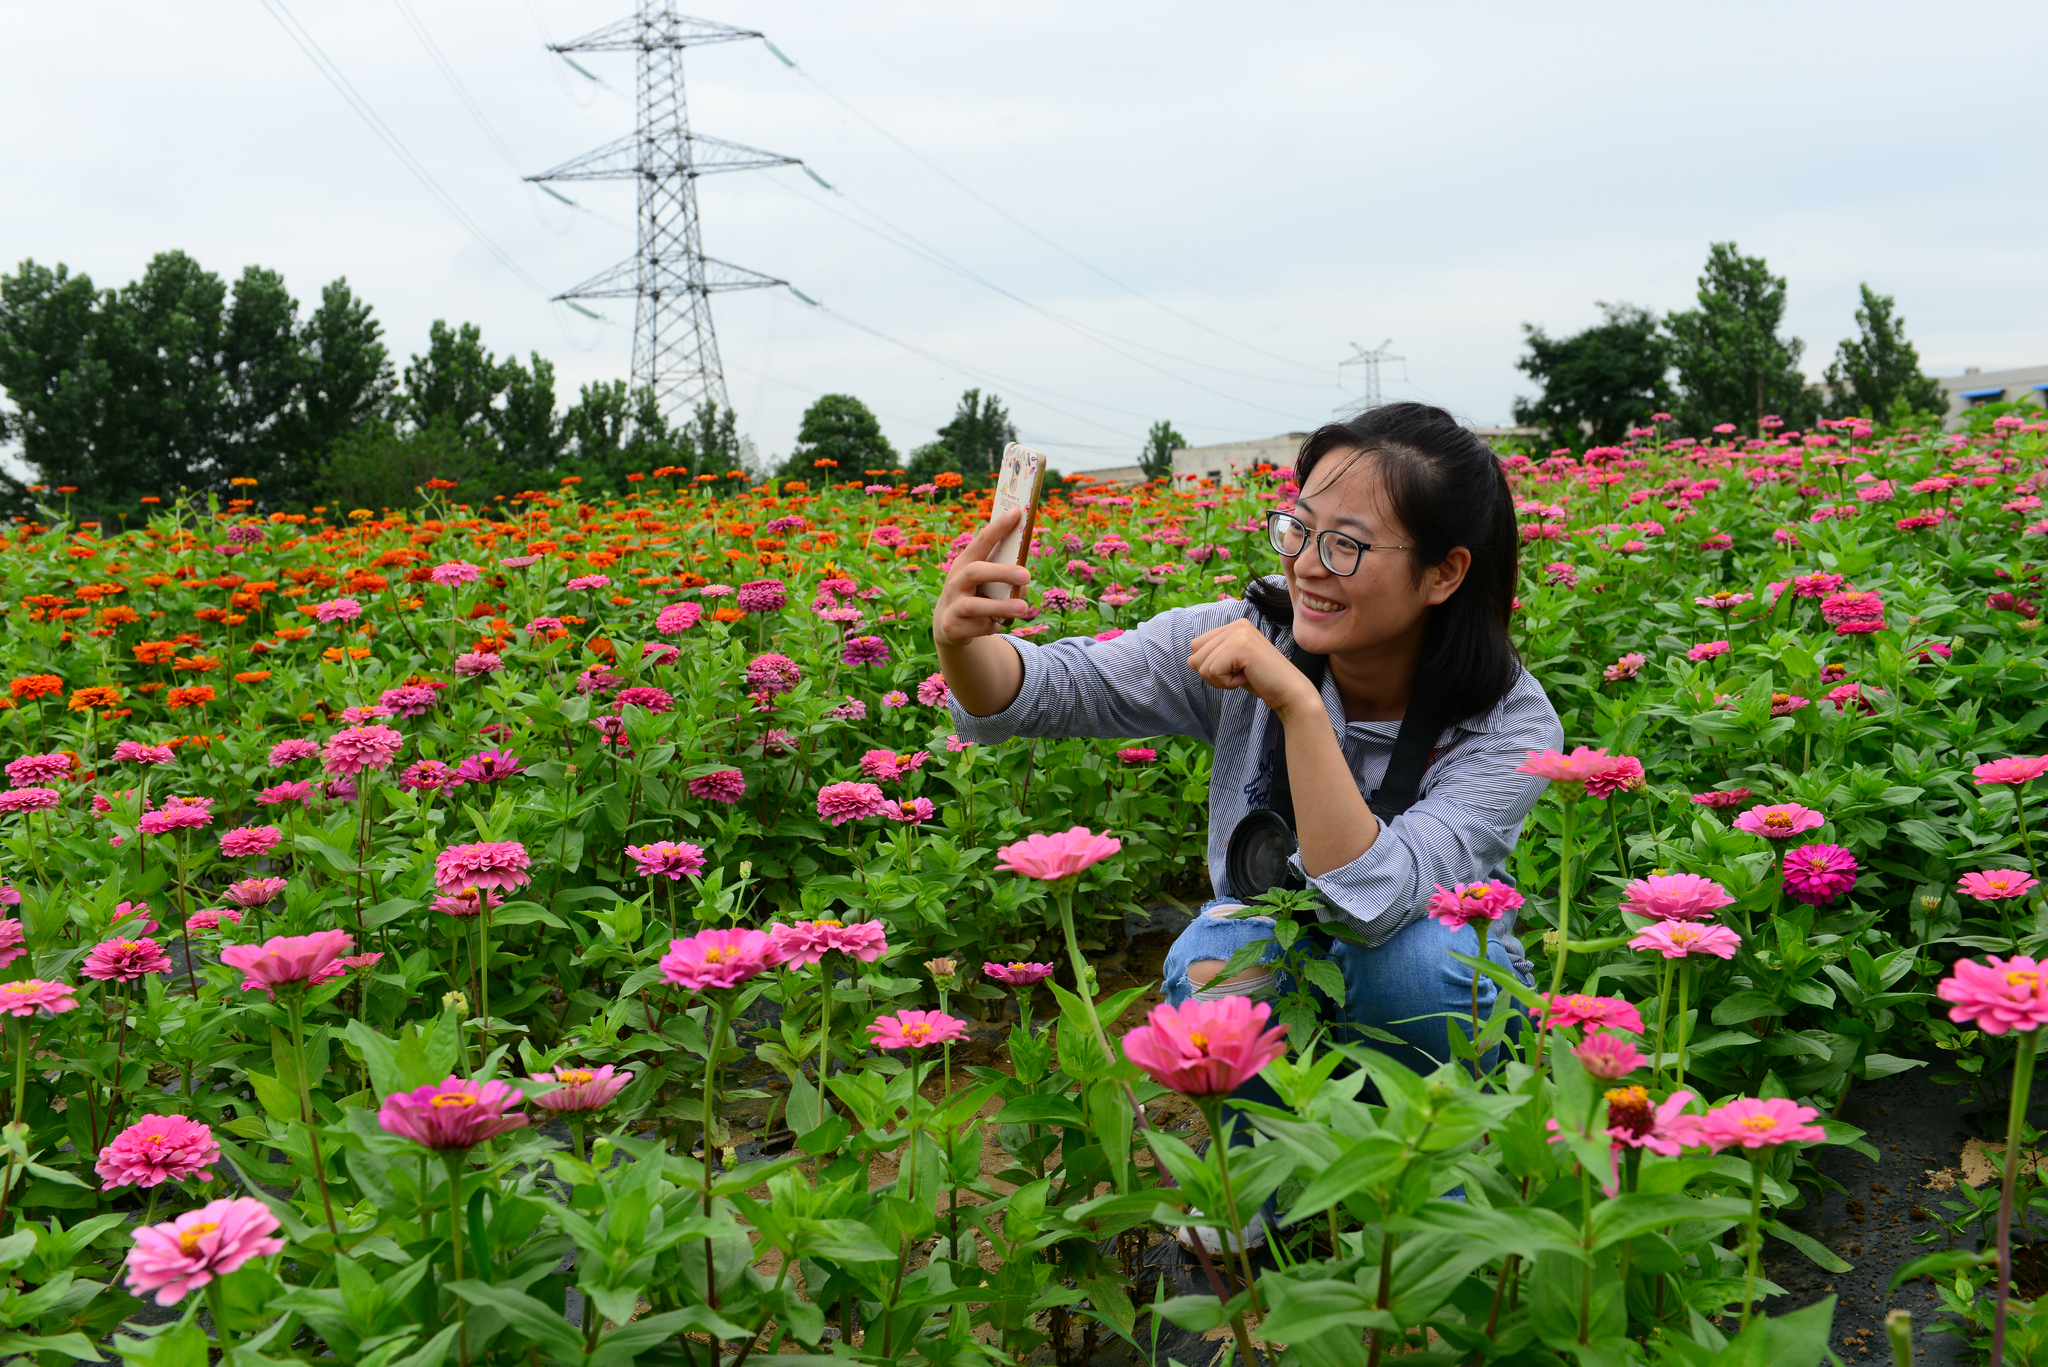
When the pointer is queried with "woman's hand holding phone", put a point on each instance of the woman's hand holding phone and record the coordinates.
(984, 673)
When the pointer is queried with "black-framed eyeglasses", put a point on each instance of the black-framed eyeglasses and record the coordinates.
(1340, 553)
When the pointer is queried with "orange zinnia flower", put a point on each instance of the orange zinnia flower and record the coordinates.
(252, 676)
(196, 696)
(29, 687)
(99, 695)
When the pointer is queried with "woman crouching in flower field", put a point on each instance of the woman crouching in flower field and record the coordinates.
(1400, 556)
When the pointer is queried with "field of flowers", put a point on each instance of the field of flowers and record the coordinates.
(402, 906)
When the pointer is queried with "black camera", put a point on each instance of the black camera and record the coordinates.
(1258, 857)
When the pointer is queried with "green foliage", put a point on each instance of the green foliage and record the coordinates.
(1879, 370)
(977, 433)
(1160, 444)
(1598, 383)
(841, 429)
(1731, 362)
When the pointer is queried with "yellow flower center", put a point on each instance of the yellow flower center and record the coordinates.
(1629, 1108)
(829, 925)
(1478, 891)
(452, 1099)
(1198, 1039)
(919, 1032)
(1683, 935)
(718, 954)
(574, 1075)
(1777, 820)
(2020, 976)
(188, 1240)
(130, 944)
(1759, 1124)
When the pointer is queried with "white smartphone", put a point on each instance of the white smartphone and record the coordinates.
(1019, 484)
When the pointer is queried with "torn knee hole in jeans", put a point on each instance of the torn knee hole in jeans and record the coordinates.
(1244, 985)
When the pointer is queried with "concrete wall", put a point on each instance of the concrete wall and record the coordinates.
(2028, 384)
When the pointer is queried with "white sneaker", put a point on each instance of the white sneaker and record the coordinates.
(1212, 1241)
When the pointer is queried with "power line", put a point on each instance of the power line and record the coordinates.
(317, 55)
(1020, 223)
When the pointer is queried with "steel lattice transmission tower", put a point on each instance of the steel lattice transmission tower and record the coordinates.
(1370, 361)
(670, 280)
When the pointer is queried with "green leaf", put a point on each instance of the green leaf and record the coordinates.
(1042, 1109)
(1306, 1310)
(1948, 1260)
(1821, 1255)
(534, 1318)
(1799, 1339)
(1624, 1217)
(1737, 1007)
(1202, 1313)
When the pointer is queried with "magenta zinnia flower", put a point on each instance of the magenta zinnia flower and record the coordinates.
(761, 595)
(1756, 1123)
(717, 958)
(288, 960)
(163, 821)
(934, 691)
(1779, 820)
(34, 769)
(471, 663)
(1050, 858)
(458, 1114)
(12, 942)
(1017, 974)
(804, 943)
(1730, 797)
(157, 1149)
(2008, 994)
(247, 842)
(362, 747)
(123, 961)
(1678, 940)
(915, 1029)
(409, 700)
(582, 1089)
(337, 610)
(1608, 1055)
(1459, 907)
(1997, 885)
(455, 572)
(678, 617)
(487, 767)
(135, 752)
(865, 650)
(1206, 1048)
(255, 892)
(1625, 775)
(291, 752)
(727, 786)
(1569, 770)
(1580, 1009)
(1675, 897)
(466, 903)
(2017, 770)
(670, 859)
(772, 673)
(1819, 873)
(185, 1254)
(840, 803)
(496, 864)
(28, 995)
(299, 790)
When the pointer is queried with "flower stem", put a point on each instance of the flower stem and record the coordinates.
(1081, 989)
(295, 1006)
(2026, 841)
(1564, 912)
(824, 1035)
(1684, 972)
(2015, 1123)
(453, 1158)
(20, 1032)
(709, 1129)
(1479, 928)
(1212, 1109)
(1756, 1238)
(1663, 1000)
(217, 1302)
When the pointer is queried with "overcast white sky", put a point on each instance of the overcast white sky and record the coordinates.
(1233, 194)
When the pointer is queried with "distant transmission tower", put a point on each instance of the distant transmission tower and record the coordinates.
(670, 280)
(1370, 362)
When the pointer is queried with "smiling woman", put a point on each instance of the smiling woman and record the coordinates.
(1399, 556)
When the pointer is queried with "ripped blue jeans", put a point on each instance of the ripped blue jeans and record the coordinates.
(1404, 987)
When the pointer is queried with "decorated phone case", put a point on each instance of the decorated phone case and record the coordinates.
(1018, 485)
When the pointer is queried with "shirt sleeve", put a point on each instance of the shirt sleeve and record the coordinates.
(1136, 685)
(1460, 831)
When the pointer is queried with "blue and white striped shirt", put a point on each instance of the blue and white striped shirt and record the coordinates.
(1465, 821)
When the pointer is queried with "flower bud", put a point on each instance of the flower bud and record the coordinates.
(945, 973)
(458, 1000)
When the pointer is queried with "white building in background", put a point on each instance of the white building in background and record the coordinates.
(1976, 386)
(1227, 459)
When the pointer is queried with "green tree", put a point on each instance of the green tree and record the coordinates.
(715, 437)
(842, 429)
(457, 382)
(978, 432)
(929, 461)
(612, 431)
(382, 465)
(1879, 369)
(1598, 383)
(1732, 364)
(1160, 444)
(524, 424)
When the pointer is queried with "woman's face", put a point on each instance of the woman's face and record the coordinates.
(1383, 603)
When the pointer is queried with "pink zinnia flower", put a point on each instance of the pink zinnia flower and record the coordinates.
(299, 790)
(1580, 1009)
(466, 903)
(255, 892)
(247, 842)
(1675, 897)
(678, 617)
(209, 918)
(458, 1114)
(1627, 667)
(727, 786)
(409, 700)
(12, 942)
(1624, 776)
(338, 610)
(157, 1149)
(288, 960)
(804, 943)
(1458, 907)
(471, 663)
(840, 803)
(2015, 771)
(1568, 770)
(455, 572)
(362, 747)
(1206, 1048)
(911, 811)
(426, 776)
(1065, 854)
(582, 1089)
(717, 958)
(1136, 754)
(865, 650)
(772, 673)
(915, 1030)
(1018, 974)
(141, 924)
(134, 752)
(934, 691)
(2007, 994)
(761, 595)
(1760, 1122)
(1608, 1055)
(1779, 820)
(185, 1254)
(487, 767)
(496, 864)
(584, 582)
(1997, 885)
(670, 859)
(1633, 1121)
(1819, 873)
(1856, 605)
(1680, 939)
(160, 822)
(291, 751)
(645, 696)
(35, 769)
(123, 961)
(1707, 650)
(28, 995)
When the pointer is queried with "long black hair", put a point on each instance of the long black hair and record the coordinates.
(1447, 489)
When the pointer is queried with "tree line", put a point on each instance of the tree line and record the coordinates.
(1723, 361)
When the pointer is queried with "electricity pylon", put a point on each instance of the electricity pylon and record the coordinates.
(1369, 361)
(670, 280)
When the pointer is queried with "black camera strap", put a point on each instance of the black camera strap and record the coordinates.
(1413, 746)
